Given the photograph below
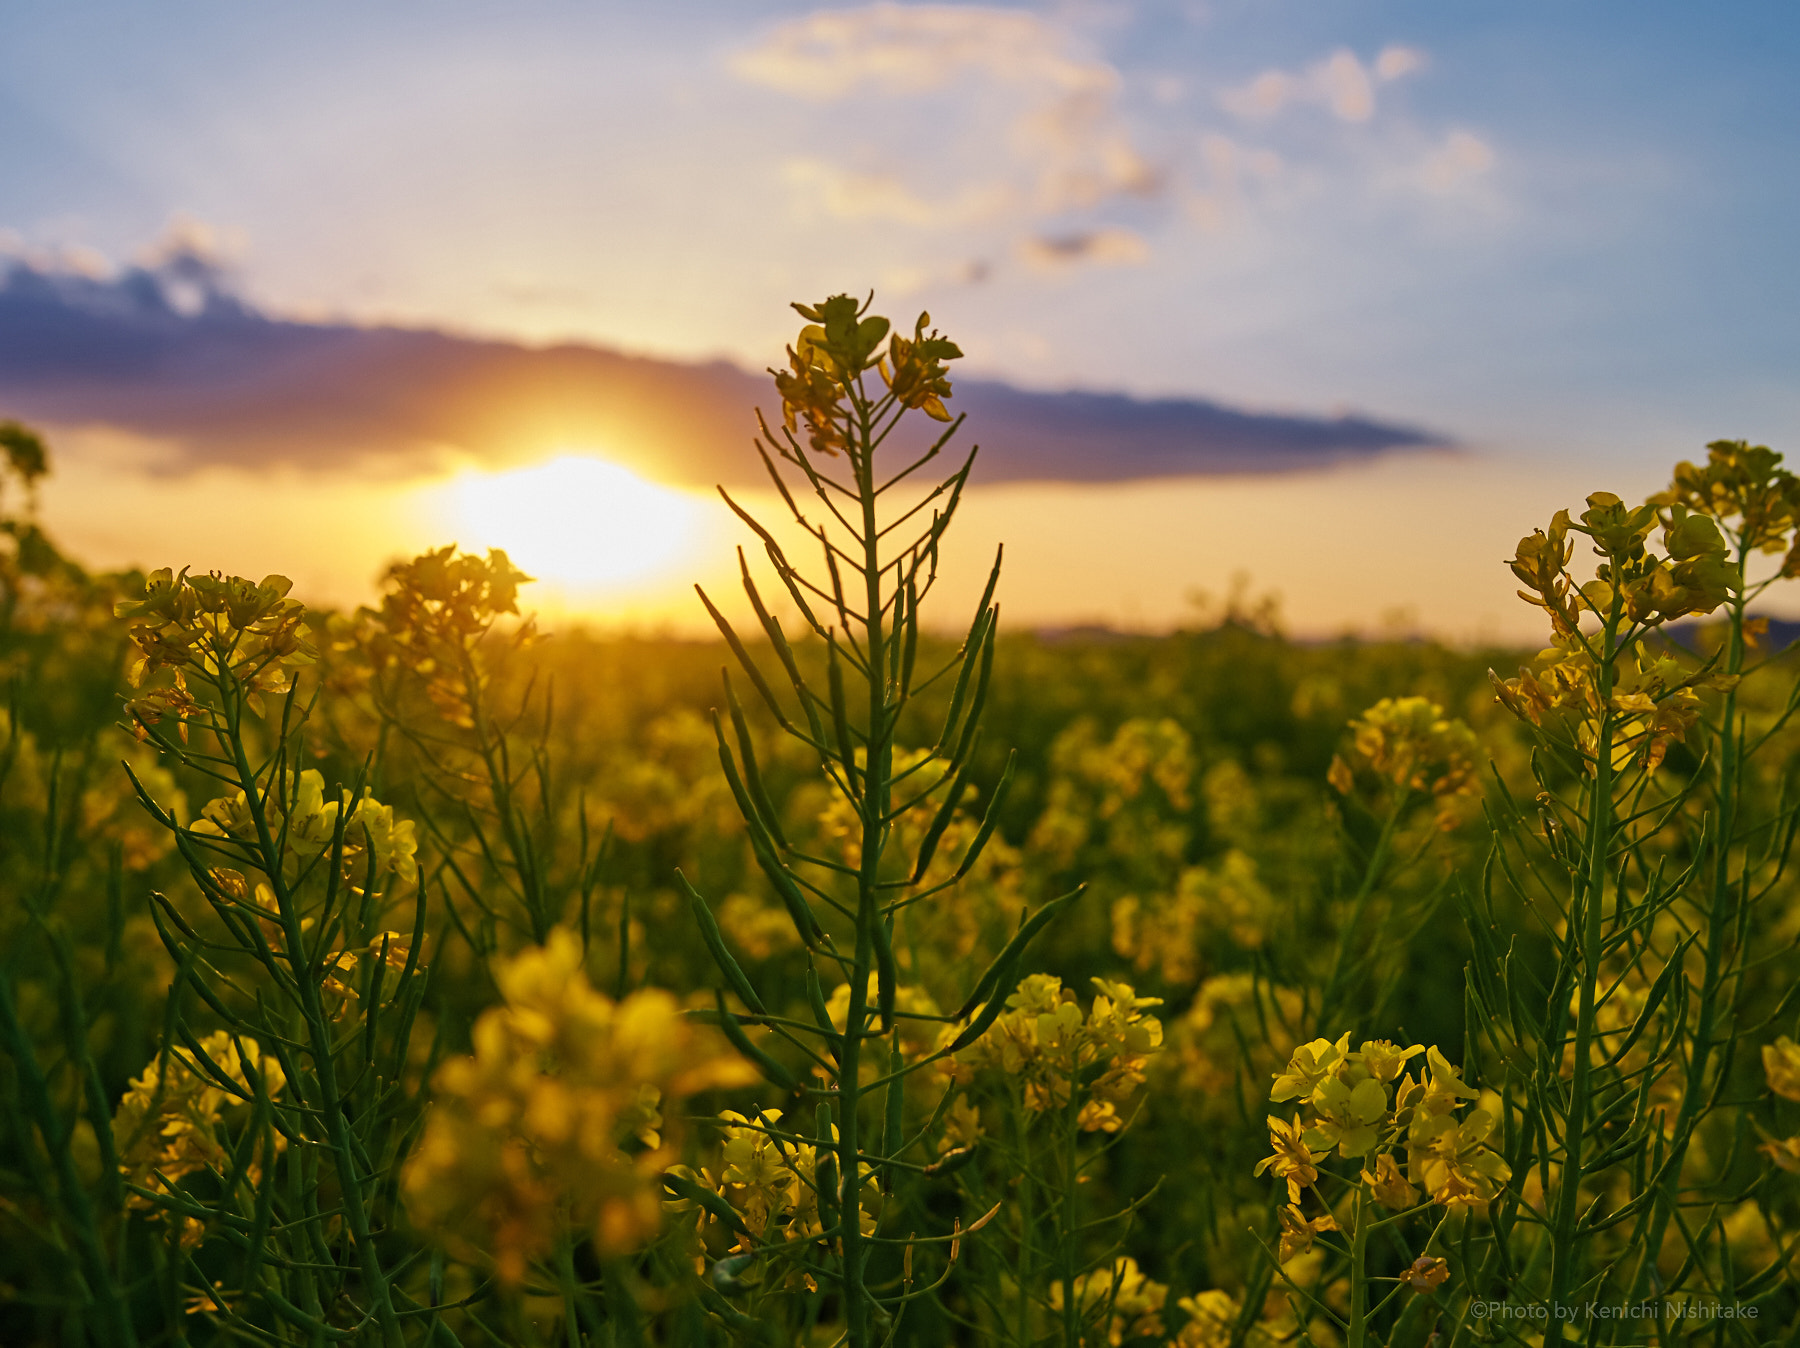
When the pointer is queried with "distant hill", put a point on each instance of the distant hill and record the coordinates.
(1782, 633)
(169, 352)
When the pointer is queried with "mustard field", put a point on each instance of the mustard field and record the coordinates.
(876, 975)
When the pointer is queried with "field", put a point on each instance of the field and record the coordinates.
(413, 975)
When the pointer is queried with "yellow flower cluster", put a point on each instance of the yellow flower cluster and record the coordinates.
(1132, 1303)
(1410, 744)
(391, 947)
(1051, 1050)
(1128, 795)
(1746, 483)
(554, 1123)
(1691, 579)
(208, 625)
(168, 1125)
(1653, 699)
(312, 823)
(1364, 1102)
(771, 1178)
(833, 350)
(1168, 934)
(1212, 1318)
(435, 609)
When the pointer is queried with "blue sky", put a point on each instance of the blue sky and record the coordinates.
(1561, 233)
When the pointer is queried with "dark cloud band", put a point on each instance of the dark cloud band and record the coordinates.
(171, 354)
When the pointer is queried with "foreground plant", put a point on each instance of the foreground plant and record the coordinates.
(293, 960)
(1369, 1106)
(1650, 881)
(849, 387)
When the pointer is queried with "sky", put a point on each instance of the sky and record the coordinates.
(1551, 243)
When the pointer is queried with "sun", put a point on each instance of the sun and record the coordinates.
(578, 522)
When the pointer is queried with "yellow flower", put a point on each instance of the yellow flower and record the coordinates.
(1739, 481)
(1048, 1048)
(757, 1176)
(1781, 1064)
(1297, 1232)
(1445, 1087)
(1451, 1160)
(1342, 780)
(1347, 1116)
(206, 624)
(1172, 932)
(1134, 1302)
(311, 823)
(1385, 1061)
(1389, 1186)
(962, 1125)
(392, 948)
(1292, 1160)
(168, 1125)
(1310, 1065)
(1211, 1318)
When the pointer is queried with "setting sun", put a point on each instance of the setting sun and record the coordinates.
(578, 522)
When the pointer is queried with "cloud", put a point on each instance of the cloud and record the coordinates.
(909, 49)
(1397, 61)
(1462, 157)
(849, 195)
(1060, 144)
(1108, 247)
(1340, 83)
(226, 383)
(1227, 168)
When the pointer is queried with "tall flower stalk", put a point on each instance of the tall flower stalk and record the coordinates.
(850, 383)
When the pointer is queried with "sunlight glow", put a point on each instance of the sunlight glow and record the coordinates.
(578, 521)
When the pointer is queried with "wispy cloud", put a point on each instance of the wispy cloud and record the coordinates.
(1341, 84)
(1228, 172)
(1384, 154)
(1043, 136)
(850, 195)
(903, 49)
(1461, 157)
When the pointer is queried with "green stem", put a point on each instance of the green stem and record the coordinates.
(1720, 920)
(500, 788)
(565, 1283)
(872, 807)
(318, 1029)
(1027, 1192)
(1359, 903)
(1071, 1224)
(1359, 1278)
(1591, 915)
(55, 1134)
